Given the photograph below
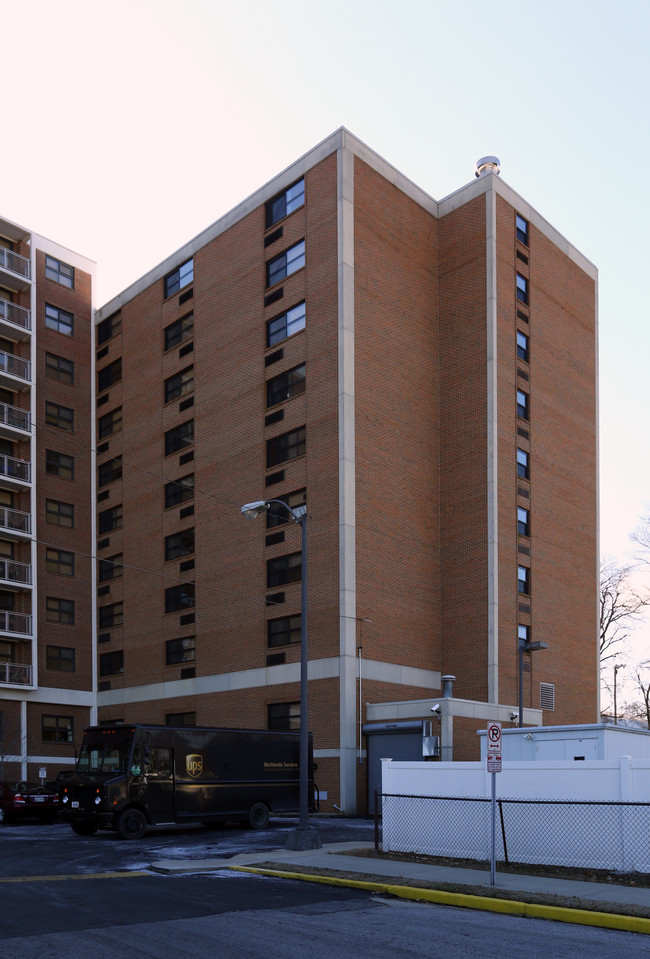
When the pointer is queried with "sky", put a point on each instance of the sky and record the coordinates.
(130, 126)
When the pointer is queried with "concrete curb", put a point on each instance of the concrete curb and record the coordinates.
(512, 907)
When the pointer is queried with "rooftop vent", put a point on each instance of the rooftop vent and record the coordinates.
(487, 165)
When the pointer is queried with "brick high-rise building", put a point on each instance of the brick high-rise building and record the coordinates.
(422, 374)
(47, 599)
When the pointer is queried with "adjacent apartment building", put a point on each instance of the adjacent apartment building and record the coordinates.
(47, 603)
(421, 374)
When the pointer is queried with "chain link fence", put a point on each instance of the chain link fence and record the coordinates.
(579, 834)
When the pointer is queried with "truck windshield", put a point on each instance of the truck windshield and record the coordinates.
(103, 757)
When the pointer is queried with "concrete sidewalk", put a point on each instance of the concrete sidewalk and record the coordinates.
(333, 856)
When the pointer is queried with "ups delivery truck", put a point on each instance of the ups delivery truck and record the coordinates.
(129, 776)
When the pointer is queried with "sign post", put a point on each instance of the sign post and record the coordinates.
(494, 767)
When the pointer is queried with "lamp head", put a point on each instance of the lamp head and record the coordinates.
(251, 510)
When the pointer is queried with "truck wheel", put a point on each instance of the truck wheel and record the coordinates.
(258, 816)
(83, 828)
(131, 824)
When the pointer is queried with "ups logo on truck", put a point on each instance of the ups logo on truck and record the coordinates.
(194, 765)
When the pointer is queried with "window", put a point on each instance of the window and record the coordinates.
(522, 288)
(179, 597)
(286, 447)
(179, 650)
(110, 664)
(286, 385)
(59, 272)
(59, 610)
(522, 404)
(276, 515)
(283, 716)
(109, 374)
(179, 331)
(285, 325)
(59, 561)
(60, 514)
(58, 464)
(285, 264)
(110, 519)
(523, 633)
(522, 464)
(61, 658)
(523, 522)
(57, 729)
(61, 417)
(285, 203)
(179, 278)
(281, 632)
(109, 423)
(522, 229)
(58, 368)
(109, 328)
(180, 719)
(522, 346)
(112, 615)
(179, 437)
(179, 491)
(523, 580)
(59, 320)
(179, 384)
(110, 568)
(284, 569)
(179, 544)
(110, 471)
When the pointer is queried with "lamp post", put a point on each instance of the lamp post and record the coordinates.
(616, 669)
(525, 647)
(305, 836)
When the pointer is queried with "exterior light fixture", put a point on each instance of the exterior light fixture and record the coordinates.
(304, 836)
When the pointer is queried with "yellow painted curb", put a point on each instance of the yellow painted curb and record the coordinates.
(511, 907)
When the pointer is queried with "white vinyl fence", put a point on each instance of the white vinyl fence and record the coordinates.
(582, 814)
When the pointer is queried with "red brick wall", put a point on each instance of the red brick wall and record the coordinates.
(397, 424)
(463, 449)
(80, 539)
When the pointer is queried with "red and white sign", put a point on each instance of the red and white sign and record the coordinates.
(494, 738)
(494, 763)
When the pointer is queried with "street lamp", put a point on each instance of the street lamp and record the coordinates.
(525, 647)
(616, 669)
(305, 836)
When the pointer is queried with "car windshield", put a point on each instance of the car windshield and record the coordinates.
(103, 757)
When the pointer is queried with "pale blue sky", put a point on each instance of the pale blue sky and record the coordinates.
(131, 125)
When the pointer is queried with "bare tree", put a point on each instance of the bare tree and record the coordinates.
(621, 607)
(9, 740)
(641, 537)
(640, 709)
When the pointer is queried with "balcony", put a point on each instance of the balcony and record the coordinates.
(13, 623)
(15, 523)
(15, 321)
(15, 270)
(14, 420)
(15, 575)
(16, 471)
(14, 368)
(15, 674)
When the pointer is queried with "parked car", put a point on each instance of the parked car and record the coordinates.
(23, 800)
